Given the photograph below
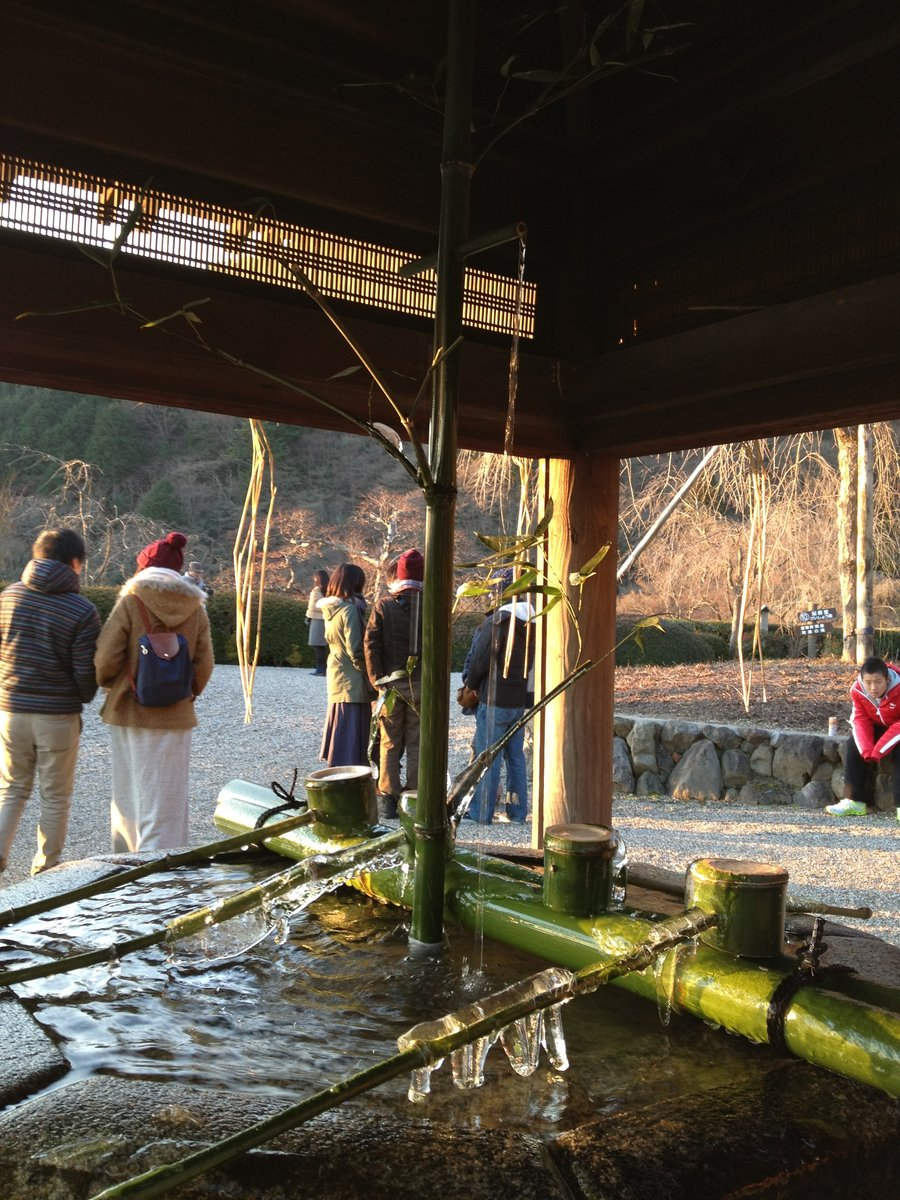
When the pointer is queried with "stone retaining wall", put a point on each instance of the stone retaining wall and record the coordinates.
(722, 763)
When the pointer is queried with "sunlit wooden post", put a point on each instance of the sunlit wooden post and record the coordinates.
(573, 736)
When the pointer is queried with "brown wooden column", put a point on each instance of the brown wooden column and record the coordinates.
(573, 736)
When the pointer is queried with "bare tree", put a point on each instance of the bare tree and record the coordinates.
(865, 634)
(845, 439)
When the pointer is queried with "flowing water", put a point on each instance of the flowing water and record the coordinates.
(327, 994)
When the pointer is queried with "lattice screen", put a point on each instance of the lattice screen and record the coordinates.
(59, 203)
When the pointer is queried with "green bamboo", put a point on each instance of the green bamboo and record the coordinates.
(200, 919)
(472, 1023)
(440, 496)
(836, 1029)
(168, 862)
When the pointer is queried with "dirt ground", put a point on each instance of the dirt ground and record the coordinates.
(795, 693)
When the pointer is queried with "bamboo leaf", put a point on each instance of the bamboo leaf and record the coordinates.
(346, 371)
(507, 66)
(635, 12)
(184, 311)
(473, 588)
(524, 583)
(579, 577)
(502, 544)
(544, 523)
(640, 626)
(552, 602)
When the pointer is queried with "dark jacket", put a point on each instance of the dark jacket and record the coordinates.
(506, 685)
(48, 632)
(389, 645)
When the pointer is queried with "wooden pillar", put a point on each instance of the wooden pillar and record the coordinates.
(573, 736)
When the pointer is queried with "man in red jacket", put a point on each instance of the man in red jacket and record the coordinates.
(875, 734)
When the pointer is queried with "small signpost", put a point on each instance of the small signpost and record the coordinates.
(814, 621)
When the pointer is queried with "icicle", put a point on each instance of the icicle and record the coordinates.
(553, 1039)
(522, 1039)
(522, 1042)
(467, 1063)
(420, 1085)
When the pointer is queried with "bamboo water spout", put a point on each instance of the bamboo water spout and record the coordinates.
(834, 1029)
(424, 1047)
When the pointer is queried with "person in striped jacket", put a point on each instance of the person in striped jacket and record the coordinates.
(48, 633)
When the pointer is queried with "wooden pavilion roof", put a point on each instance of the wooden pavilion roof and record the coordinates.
(714, 232)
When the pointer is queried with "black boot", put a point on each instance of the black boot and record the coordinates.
(387, 806)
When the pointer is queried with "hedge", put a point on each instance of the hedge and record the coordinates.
(284, 635)
(283, 642)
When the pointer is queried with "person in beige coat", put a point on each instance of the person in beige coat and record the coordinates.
(151, 747)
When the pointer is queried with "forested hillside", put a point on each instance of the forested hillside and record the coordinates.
(123, 472)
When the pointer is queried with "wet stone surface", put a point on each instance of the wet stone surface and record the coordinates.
(792, 1133)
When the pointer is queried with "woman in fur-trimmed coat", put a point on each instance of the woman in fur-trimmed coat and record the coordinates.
(151, 747)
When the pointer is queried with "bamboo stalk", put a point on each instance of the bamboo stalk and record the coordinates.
(423, 1053)
(200, 919)
(168, 862)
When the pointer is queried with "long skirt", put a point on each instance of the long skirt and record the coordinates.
(150, 769)
(345, 739)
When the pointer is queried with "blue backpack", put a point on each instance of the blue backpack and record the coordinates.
(165, 671)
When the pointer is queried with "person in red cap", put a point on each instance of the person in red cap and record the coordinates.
(393, 661)
(151, 747)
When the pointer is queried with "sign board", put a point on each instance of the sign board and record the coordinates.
(816, 627)
(817, 614)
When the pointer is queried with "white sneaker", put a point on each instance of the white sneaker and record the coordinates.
(501, 818)
(847, 808)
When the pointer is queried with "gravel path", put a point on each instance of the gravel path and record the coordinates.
(849, 862)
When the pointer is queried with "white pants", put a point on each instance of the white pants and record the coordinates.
(45, 743)
(150, 769)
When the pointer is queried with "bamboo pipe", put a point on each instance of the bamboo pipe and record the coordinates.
(827, 1028)
(837, 1029)
(427, 1043)
(431, 834)
(200, 919)
(168, 862)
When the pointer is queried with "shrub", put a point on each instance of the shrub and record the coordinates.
(284, 633)
(283, 639)
(676, 642)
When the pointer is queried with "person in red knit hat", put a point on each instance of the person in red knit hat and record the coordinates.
(151, 747)
(168, 552)
(393, 661)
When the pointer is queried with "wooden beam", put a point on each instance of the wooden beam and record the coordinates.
(832, 359)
